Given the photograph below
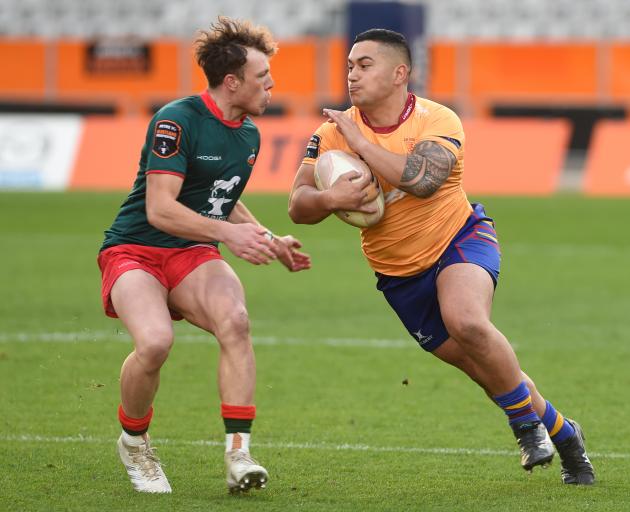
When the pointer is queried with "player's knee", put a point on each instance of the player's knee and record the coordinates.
(153, 348)
(469, 330)
(234, 325)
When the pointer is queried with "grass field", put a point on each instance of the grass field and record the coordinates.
(336, 427)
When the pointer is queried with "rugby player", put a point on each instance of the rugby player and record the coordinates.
(435, 255)
(160, 259)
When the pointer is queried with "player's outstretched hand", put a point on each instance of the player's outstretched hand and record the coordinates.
(250, 242)
(352, 192)
(286, 249)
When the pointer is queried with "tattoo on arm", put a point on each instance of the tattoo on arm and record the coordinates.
(427, 168)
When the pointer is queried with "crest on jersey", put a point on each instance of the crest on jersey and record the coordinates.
(251, 159)
(410, 142)
(166, 138)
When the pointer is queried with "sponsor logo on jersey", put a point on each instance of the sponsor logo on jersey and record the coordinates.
(213, 158)
(166, 138)
(312, 148)
(220, 189)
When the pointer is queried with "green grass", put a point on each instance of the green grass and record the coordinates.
(336, 427)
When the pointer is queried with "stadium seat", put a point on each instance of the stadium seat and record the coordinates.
(456, 19)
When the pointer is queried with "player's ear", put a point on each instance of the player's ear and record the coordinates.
(232, 82)
(401, 74)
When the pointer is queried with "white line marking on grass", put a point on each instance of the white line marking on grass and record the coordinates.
(104, 336)
(298, 446)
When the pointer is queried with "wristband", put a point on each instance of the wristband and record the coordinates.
(269, 236)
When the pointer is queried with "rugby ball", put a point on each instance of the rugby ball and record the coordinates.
(332, 164)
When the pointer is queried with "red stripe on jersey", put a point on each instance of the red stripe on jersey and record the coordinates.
(174, 173)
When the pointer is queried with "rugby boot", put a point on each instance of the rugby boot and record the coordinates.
(143, 467)
(535, 444)
(576, 467)
(243, 472)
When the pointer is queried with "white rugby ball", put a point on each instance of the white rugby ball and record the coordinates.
(332, 164)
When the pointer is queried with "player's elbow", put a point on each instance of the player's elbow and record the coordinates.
(300, 214)
(294, 213)
(306, 207)
(295, 210)
(155, 215)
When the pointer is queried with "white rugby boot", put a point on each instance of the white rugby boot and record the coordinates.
(243, 472)
(143, 467)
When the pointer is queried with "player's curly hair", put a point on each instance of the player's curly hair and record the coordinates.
(222, 50)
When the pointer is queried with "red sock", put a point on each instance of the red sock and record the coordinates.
(238, 418)
(134, 426)
(238, 412)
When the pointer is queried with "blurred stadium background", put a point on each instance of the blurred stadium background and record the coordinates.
(543, 87)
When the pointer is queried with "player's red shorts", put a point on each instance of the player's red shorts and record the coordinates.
(168, 266)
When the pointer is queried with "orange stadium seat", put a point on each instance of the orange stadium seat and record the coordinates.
(607, 170)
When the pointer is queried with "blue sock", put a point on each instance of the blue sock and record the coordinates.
(559, 429)
(517, 404)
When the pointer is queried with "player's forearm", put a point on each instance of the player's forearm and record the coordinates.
(387, 164)
(241, 214)
(174, 218)
(307, 205)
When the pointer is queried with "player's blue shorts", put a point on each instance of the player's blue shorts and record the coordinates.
(414, 298)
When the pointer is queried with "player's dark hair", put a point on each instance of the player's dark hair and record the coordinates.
(222, 50)
(388, 37)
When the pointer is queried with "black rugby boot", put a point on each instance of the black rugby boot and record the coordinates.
(576, 467)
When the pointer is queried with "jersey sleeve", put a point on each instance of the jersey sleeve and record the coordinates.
(446, 129)
(168, 143)
(324, 139)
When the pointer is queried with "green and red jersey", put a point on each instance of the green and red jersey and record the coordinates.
(189, 138)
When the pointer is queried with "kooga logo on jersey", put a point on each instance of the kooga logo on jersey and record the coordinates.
(209, 157)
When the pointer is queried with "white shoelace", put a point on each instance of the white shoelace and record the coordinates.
(148, 462)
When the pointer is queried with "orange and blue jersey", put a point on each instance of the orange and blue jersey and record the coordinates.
(419, 237)
(414, 231)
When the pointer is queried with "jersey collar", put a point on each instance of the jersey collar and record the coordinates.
(216, 111)
(410, 104)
